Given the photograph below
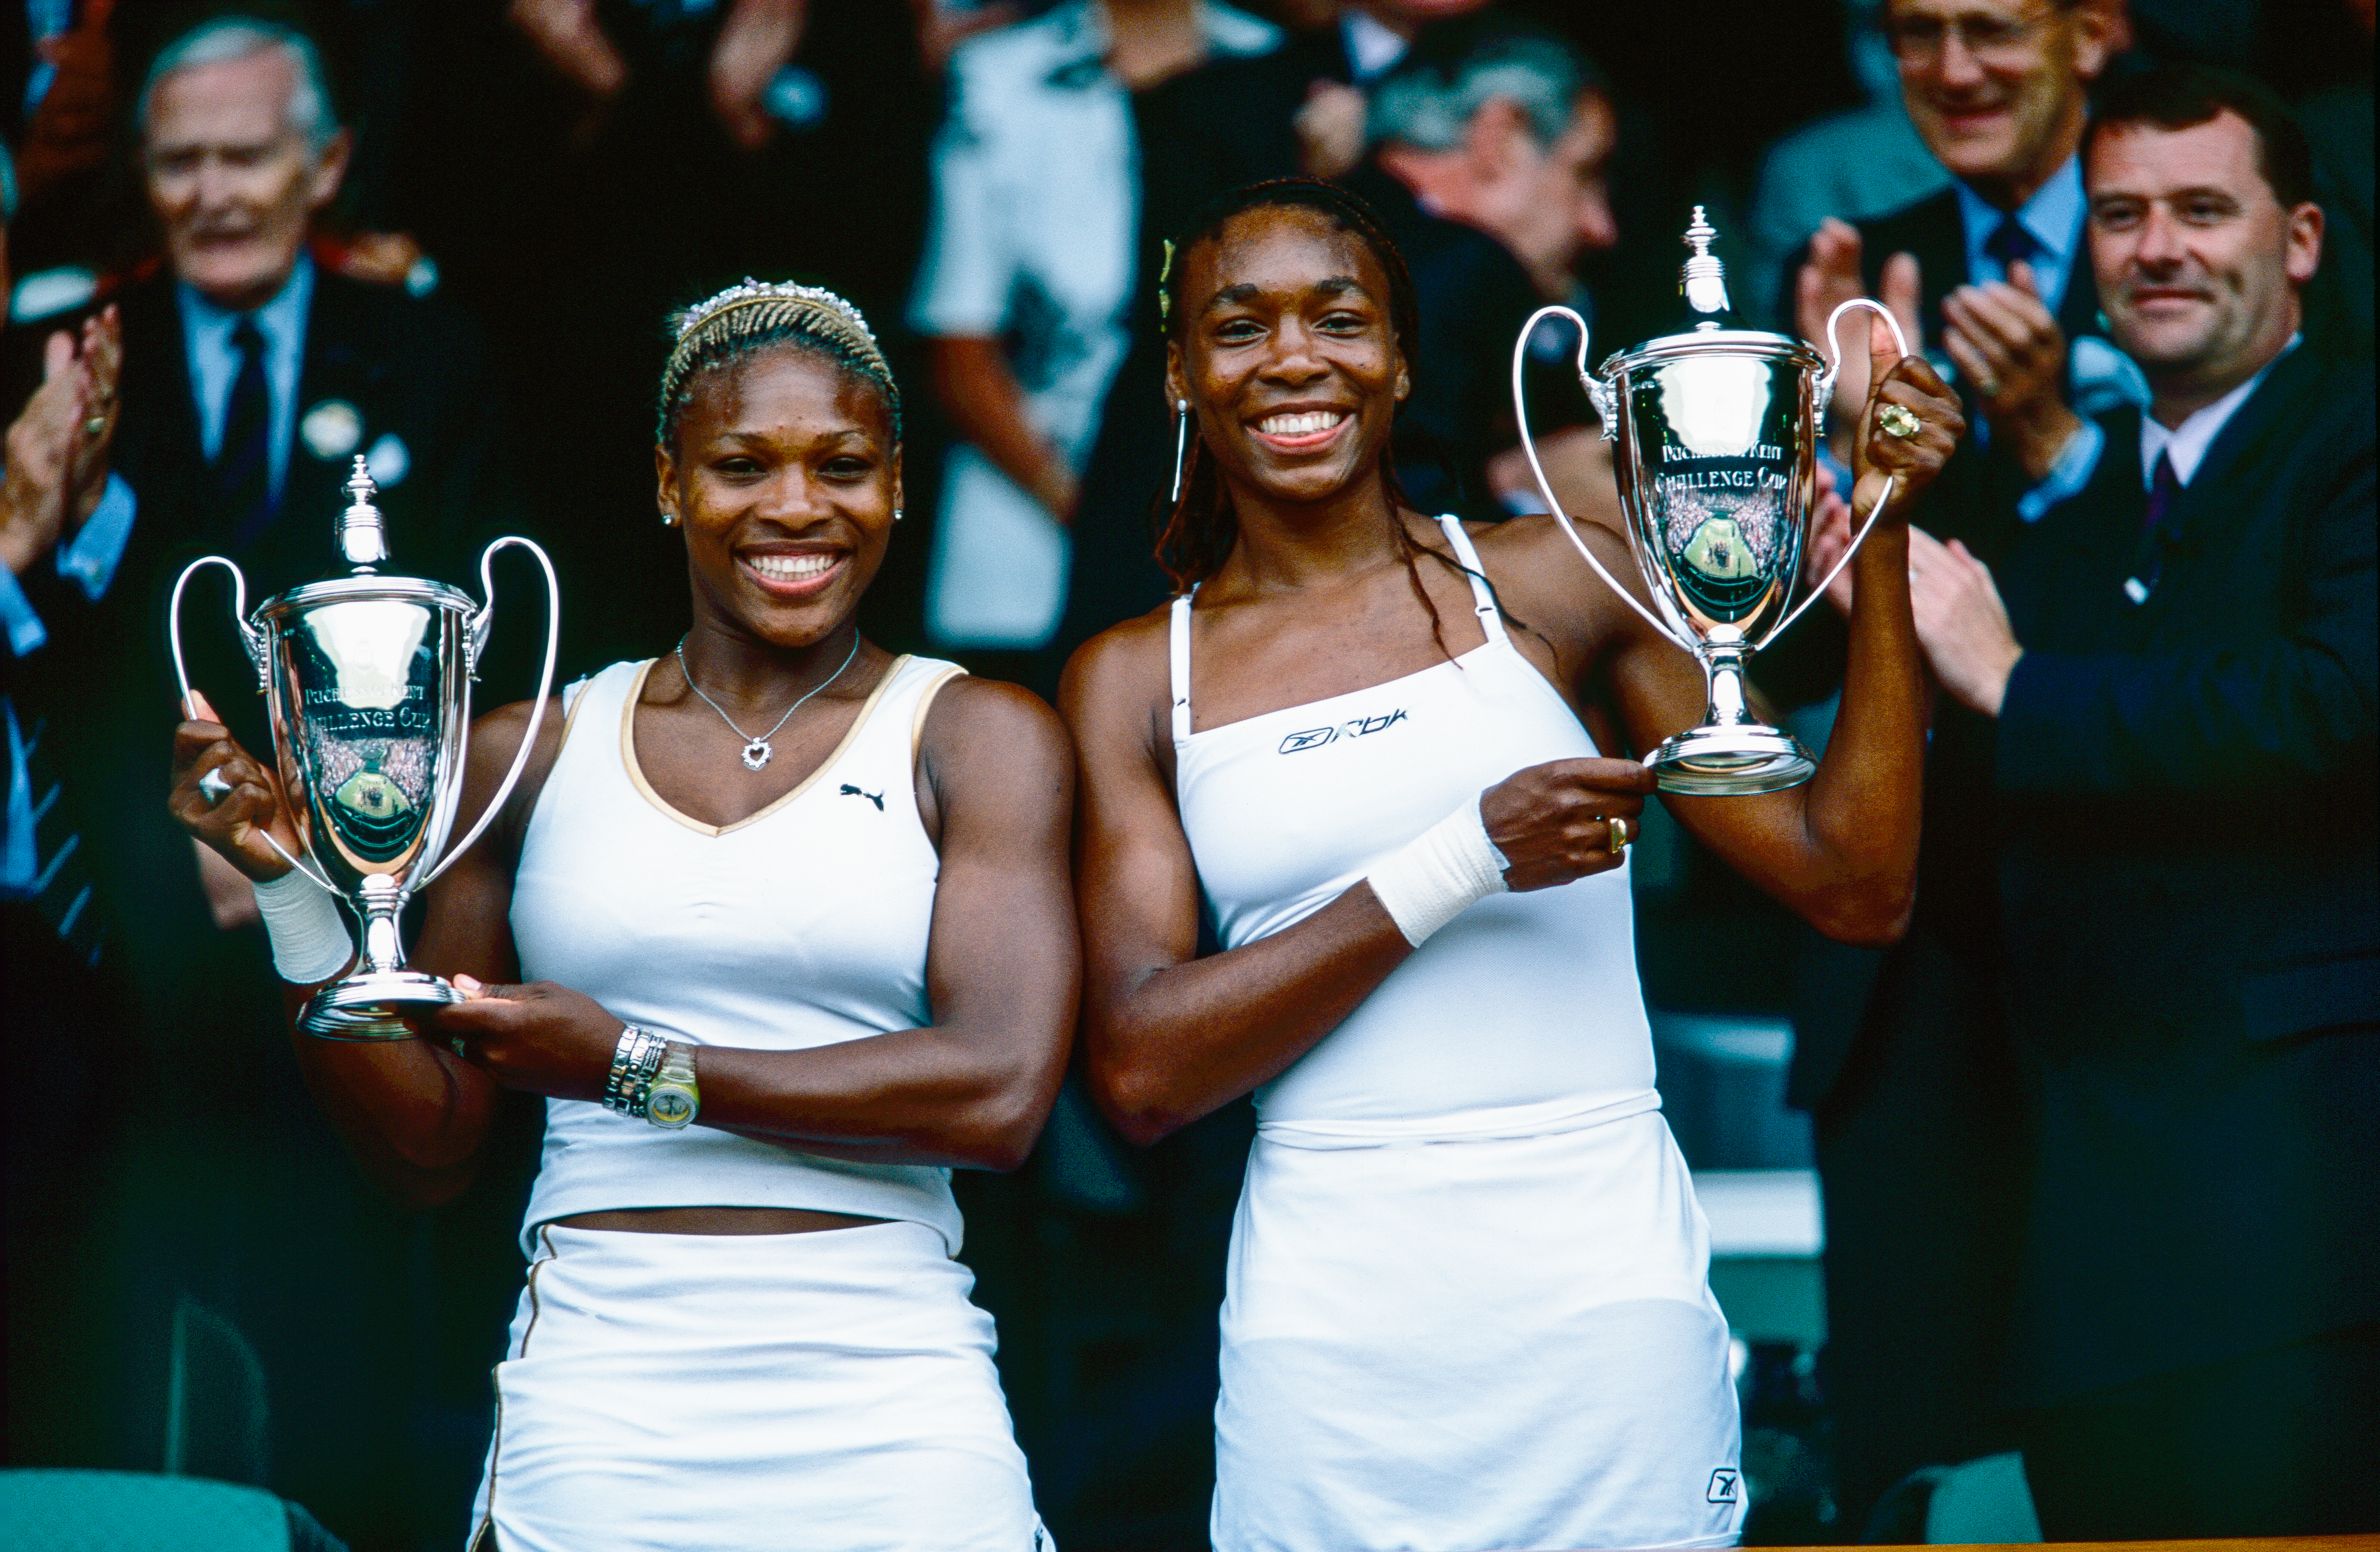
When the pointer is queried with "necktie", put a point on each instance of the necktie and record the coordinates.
(62, 877)
(2011, 243)
(2148, 558)
(243, 466)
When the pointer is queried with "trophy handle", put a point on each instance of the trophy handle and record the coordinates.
(253, 640)
(1826, 397)
(481, 622)
(1606, 406)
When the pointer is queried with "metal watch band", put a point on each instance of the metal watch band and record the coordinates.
(633, 1063)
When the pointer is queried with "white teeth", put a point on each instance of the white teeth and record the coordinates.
(790, 568)
(1301, 425)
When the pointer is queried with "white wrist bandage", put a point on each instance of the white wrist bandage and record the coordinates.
(1426, 883)
(310, 937)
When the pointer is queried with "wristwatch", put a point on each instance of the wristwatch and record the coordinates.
(671, 1099)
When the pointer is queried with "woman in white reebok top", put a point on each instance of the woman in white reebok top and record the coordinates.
(848, 940)
(1466, 1304)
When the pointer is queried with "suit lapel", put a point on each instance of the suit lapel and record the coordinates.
(2268, 410)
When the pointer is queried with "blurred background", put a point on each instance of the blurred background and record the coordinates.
(199, 1282)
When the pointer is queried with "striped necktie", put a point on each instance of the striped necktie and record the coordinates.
(243, 466)
(61, 888)
(2148, 557)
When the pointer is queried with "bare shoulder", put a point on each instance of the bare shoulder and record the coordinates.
(1120, 679)
(496, 738)
(972, 720)
(1539, 575)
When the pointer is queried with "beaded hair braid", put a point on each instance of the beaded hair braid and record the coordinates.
(743, 319)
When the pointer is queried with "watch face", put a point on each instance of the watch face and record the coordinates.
(669, 1107)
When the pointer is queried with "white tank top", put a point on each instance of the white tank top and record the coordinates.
(1520, 1016)
(803, 925)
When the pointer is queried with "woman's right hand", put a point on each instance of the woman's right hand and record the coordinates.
(236, 826)
(1553, 822)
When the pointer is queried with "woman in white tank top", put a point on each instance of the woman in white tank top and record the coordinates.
(1466, 1306)
(813, 892)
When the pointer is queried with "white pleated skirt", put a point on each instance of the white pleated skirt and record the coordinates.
(1461, 1345)
(730, 1393)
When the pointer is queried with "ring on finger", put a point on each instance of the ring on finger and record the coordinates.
(213, 788)
(1898, 419)
(1620, 834)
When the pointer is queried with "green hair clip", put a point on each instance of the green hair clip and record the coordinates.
(1164, 273)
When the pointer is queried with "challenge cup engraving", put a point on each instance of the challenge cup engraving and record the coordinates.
(1716, 434)
(366, 682)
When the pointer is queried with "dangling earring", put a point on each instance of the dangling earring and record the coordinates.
(1181, 447)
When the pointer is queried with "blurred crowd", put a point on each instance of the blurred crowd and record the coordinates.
(245, 244)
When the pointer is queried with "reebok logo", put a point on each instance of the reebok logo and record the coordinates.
(1723, 1485)
(1355, 728)
(851, 792)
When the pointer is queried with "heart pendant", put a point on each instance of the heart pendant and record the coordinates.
(755, 755)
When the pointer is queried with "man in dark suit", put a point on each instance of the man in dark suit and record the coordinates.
(1903, 1055)
(252, 376)
(2179, 693)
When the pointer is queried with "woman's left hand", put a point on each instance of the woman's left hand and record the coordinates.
(539, 1038)
(1911, 457)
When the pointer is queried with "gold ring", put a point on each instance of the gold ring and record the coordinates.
(1898, 419)
(1620, 836)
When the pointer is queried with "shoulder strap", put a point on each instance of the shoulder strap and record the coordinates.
(1180, 669)
(1483, 598)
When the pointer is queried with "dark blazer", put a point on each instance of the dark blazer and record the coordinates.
(2191, 895)
(1974, 501)
(411, 369)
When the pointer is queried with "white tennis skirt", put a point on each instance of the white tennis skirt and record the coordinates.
(730, 1393)
(1458, 1345)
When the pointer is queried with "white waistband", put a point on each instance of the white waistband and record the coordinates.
(1546, 1116)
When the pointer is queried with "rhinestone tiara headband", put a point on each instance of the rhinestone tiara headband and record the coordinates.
(754, 293)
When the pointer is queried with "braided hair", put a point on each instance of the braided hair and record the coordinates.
(745, 320)
(1196, 535)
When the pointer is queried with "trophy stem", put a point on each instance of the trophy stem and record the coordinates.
(1732, 752)
(365, 1004)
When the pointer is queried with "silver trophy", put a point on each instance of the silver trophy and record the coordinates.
(366, 682)
(1719, 433)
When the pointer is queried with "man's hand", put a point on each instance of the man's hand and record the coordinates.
(1331, 129)
(754, 44)
(101, 356)
(1831, 537)
(2005, 339)
(1829, 277)
(1961, 623)
(43, 447)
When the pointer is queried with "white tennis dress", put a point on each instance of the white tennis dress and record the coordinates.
(739, 1392)
(1467, 1304)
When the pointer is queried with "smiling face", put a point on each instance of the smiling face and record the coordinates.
(233, 181)
(1996, 87)
(785, 476)
(2198, 260)
(1286, 353)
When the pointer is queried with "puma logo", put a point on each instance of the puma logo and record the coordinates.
(851, 792)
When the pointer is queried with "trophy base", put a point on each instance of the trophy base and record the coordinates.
(366, 1007)
(1721, 761)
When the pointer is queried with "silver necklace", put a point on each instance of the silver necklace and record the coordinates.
(756, 750)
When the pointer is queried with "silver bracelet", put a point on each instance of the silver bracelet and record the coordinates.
(633, 1061)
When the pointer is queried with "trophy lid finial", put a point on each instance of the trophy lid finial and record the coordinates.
(1704, 280)
(363, 538)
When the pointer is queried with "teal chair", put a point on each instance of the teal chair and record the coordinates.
(127, 1511)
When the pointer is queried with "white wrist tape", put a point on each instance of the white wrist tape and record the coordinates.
(1428, 881)
(310, 942)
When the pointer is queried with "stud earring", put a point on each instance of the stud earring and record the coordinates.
(896, 514)
(1181, 447)
(669, 519)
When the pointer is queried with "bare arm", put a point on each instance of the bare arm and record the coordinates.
(415, 1114)
(976, 390)
(1841, 849)
(1003, 967)
(1171, 1037)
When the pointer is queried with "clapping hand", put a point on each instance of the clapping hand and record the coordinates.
(1829, 277)
(2003, 336)
(56, 454)
(1961, 623)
